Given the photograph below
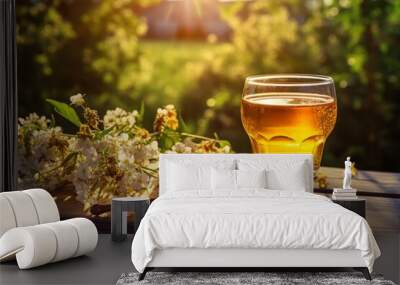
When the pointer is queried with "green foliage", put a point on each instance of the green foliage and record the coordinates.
(183, 125)
(356, 42)
(168, 138)
(66, 111)
(79, 45)
(223, 143)
(98, 47)
(140, 116)
(98, 135)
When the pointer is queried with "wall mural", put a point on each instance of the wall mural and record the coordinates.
(167, 76)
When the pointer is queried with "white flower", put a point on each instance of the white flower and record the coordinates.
(77, 99)
(181, 148)
(34, 120)
(154, 146)
(124, 162)
(119, 118)
(226, 149)
(124, 136)
(122, 157)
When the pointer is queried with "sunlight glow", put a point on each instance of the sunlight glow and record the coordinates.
(226, 1)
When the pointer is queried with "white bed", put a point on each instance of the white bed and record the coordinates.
(248, 227)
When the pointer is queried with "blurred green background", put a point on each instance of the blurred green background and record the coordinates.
(196, 54)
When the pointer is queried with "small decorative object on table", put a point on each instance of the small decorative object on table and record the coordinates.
(347, 192)
(120, 207)
(347, 196)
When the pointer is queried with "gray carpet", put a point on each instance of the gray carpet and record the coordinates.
(242, 278)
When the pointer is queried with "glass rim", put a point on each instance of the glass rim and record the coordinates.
(262, 80)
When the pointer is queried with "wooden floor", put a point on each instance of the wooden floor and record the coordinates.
(103, 266)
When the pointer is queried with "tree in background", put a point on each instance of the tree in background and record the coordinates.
(356, 42)
(361, 47)
(98, 47)
(267, 37)
(70, 46)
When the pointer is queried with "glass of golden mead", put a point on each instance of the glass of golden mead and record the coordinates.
(289, 113)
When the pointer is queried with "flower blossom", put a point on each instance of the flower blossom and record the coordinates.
(119, 118)
(166, 118)
(77, 100)
(102, 160)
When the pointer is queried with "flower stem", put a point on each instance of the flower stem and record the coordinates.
(197, 137)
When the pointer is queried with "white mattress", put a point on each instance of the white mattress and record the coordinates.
(253, 219)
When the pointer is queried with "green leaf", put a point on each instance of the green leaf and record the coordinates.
(185, 128)
(69, 162)
(101, 134)
(168, 138)
(53, 121)
(140, 116)
(66, 111)
(223, 143)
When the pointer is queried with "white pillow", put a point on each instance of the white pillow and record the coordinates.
(223, 179)
(226, 179)
(220, 163)
(293, 180)
(281, 174)
(181, 177)
(251, 178)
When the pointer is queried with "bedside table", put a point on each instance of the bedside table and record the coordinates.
(357, 205)
(120, 207)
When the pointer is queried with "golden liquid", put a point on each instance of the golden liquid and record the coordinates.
(289, 122)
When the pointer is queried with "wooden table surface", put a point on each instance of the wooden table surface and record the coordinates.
(380, 189)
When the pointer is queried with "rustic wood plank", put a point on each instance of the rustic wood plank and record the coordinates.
(365, 181)
(389, 177)
(383, 213)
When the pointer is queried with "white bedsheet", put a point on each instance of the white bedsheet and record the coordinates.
(250, 218)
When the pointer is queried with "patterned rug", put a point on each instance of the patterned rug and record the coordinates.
(243, 278)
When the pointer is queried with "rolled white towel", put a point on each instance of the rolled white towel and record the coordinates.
(23, 209)
(7, 218)
(26, 208)
(33, 246)
(66, 238)
(87, 235)
(40, 244)
(45, 206)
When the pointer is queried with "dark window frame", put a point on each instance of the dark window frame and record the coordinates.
(8, 97)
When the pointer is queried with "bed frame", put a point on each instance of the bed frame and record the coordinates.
(242, 259)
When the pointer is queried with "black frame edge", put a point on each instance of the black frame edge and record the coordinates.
(8, 96)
